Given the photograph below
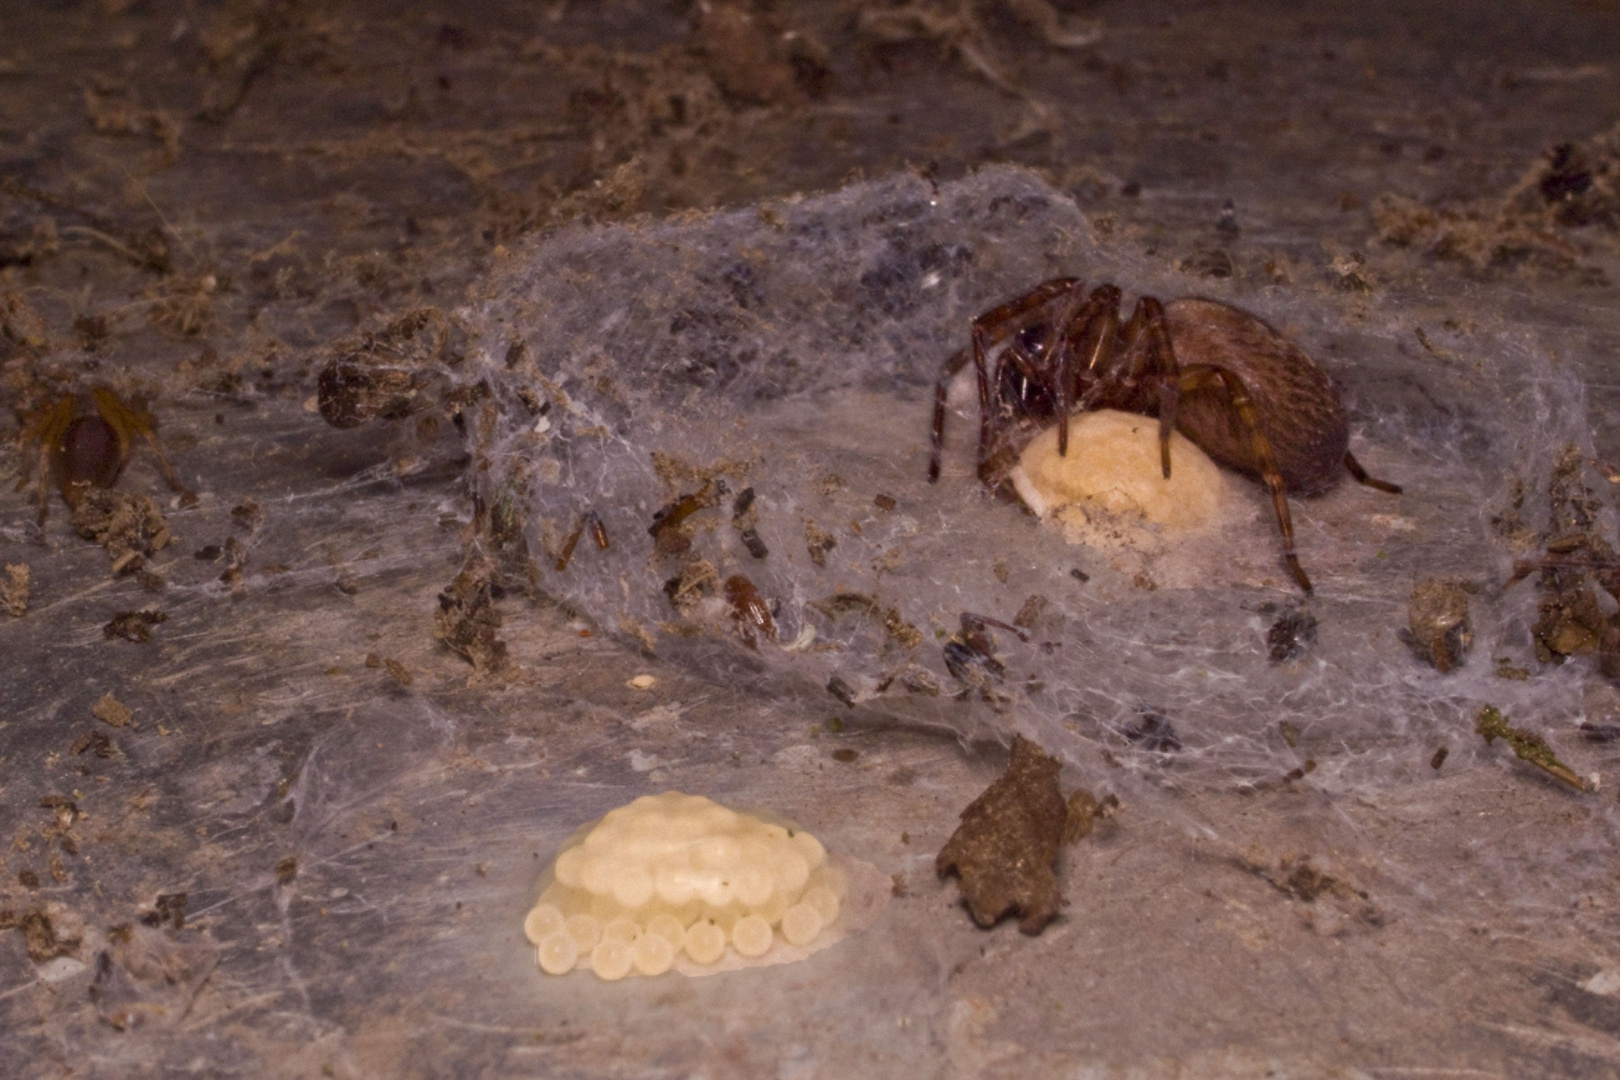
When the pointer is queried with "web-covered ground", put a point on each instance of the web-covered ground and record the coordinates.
(309, 849)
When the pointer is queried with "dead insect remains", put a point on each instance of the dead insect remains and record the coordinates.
(1249, 397)
(1527, 745)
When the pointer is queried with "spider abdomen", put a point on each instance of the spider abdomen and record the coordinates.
(1296, 405)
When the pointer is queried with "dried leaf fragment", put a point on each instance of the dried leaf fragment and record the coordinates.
(1004, 850)
(1084, 811)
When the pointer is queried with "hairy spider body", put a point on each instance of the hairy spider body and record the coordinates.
(1249, 397)
(1296, 406)
(84, 443)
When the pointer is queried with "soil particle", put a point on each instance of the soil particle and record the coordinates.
(1004, 850)
(1439, 631)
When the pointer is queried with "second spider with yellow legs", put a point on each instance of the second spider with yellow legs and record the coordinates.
(84, 441)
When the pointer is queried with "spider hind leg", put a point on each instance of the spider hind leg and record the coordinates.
(1194, 377)
(1361, 477)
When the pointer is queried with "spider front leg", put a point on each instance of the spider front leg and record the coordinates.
(1160, 354)
(1091, 332)
(1146, 377)
(989, 330)
(997, 325)
(1200, 376)
(129, 419)
(44, 430)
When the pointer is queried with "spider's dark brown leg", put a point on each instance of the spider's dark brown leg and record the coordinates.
(1091, 332)
(1200, 376)
(1160, 356)
(1361, 476)
(1147, 379)
(997, 325)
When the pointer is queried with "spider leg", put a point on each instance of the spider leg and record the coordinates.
(1161, 361)
(130, 419)
(1148, 378)
(948, 372)
(1104, 340)
(1199, 376)
(972, 623)
(995, 326)
(43, 486)
(1091, 331)
(1361, 476)
(46, 429)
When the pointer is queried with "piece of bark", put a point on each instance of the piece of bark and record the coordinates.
(1004, 851)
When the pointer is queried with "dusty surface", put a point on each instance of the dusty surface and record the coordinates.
(308, 848)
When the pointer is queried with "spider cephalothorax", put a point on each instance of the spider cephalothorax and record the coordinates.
(1252, 399)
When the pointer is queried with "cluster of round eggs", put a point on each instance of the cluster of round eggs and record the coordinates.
(677, 873)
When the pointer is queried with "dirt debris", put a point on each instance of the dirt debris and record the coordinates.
(1084, 811)
(391, 373)
(168, 908)
(1563, 206)
(1572, 620)
(468, 623)
(44, 942)
(1291, 634)
(740, 51)
(1004, 851)
(1438, 630)
(133, 626)
(96, 741)
(111, 711)
(130, 526)
(14, 590)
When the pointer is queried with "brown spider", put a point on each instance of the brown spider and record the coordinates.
(85, 442)
(1249, 397)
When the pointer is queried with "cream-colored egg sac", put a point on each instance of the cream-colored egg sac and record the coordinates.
(672, 880)
(1113, 467)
